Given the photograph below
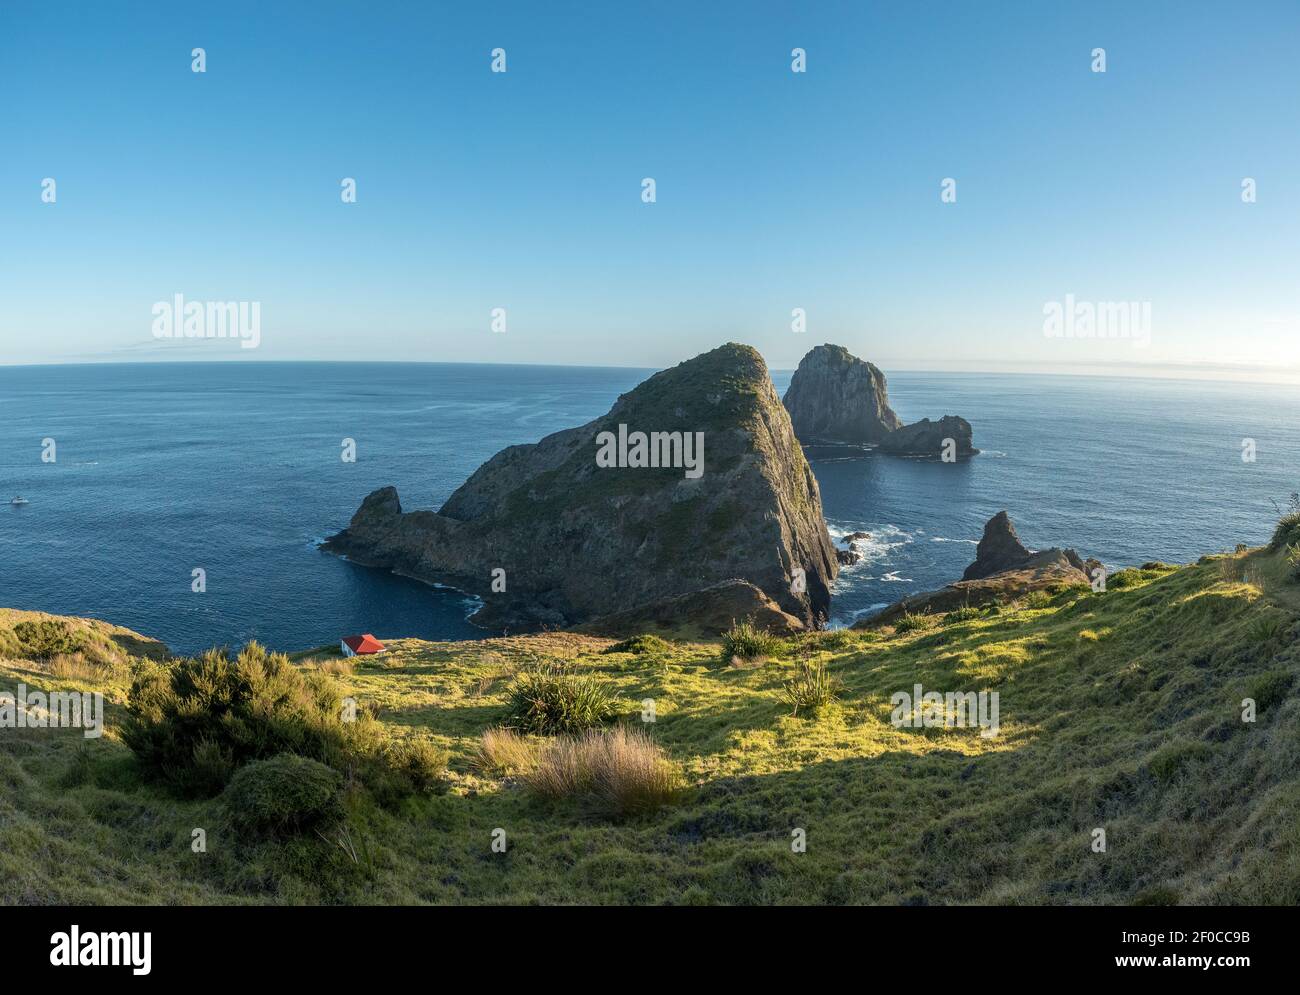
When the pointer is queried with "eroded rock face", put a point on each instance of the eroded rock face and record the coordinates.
(930, 438)
(836, 397)
(578, 541)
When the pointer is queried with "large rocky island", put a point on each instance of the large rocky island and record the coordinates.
(573, 539)
(836, 398)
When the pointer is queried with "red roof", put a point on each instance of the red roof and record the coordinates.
(364, 644)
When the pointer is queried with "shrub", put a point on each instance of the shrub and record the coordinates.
(194, 721)
(283, 795)
(748, 642)
(549, 699)
(621, 769)
(642, 645)
(504, 751)
(812, 688)
(47, 638)
(1269, 689)
(963, 614)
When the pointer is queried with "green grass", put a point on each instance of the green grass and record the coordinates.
(1120, 710)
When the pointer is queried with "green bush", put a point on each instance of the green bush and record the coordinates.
(548, 699)
(642, 645)
(1266, 628)
(194, 721)
(46, 638)
(418, 763)
(811, 689)
(963, 614)
(283, 795)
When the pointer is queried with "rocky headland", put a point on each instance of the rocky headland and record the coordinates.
(607, 521)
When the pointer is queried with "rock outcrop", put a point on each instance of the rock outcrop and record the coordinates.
(572, 538)
(930, 438)
(703, 614)
(836, 397)
(1004, 570)
(1000, 550)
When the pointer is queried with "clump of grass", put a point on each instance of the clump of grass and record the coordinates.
(1287, 531)
(549, 699)
(504, 751)
(1269, 689)
(417, 764)
(76, 667)
(745, 641)
(908, 622)
(336, 668)
(1266, 628)
(811, 689)
(963, 614)
(620, 769)
(1168, 762)
(645, 644)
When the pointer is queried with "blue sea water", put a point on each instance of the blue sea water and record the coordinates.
(235, 468)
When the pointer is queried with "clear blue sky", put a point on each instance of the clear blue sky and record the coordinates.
(775, 190)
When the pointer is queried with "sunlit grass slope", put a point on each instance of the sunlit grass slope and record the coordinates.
(1119, 711)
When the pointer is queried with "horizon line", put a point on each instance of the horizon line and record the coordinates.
(1186, 372)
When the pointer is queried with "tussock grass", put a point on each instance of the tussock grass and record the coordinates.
(549, 699)
(620, 768)
(504, 751)
(745, 641)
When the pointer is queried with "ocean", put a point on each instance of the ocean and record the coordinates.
(234, 468)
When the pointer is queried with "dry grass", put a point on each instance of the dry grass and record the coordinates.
(623, 769)
(504, 751)
(77, 667)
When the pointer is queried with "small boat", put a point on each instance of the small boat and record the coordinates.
(19, 500)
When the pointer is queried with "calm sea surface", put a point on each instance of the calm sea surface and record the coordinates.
(235, 468)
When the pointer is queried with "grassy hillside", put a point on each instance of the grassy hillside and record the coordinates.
(1119, 710)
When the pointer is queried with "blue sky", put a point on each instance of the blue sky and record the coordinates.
(775, 190)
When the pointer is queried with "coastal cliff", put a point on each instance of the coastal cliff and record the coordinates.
(606, 518)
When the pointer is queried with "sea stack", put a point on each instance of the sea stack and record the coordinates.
(838, 399)
(834, 397)
(692, 482)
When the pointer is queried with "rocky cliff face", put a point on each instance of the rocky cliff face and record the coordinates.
(836, 397)
(579, 538)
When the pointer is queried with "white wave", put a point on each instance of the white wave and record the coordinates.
(893, 578)
(973, 542)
